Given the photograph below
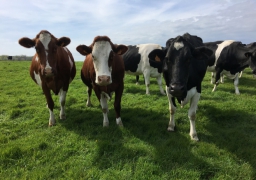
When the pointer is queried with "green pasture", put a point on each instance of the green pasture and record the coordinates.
(80, 148)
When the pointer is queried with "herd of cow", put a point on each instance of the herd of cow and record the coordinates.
(183, 64)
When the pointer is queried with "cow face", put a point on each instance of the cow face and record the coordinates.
(46, 46)
(177, 64)
(102, 51)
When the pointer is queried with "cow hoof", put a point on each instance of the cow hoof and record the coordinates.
(50, 125)
(63, 116)
(170, 129)
(194, 137)
(105, 124)
(120, 124)
(137, 83)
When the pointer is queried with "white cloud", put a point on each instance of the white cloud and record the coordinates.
(124, 21)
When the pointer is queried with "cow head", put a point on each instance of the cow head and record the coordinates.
(180, 55)
(102, 52)
(46, 46)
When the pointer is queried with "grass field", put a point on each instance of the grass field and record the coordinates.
(80, 148)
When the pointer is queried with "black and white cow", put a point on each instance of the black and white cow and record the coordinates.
(184, 67)
(137, 63)
(229, 58)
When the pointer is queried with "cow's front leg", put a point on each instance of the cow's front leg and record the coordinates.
(172, 110)
(50, 104)
(213, 77)
(89, 93)
(62, 95)
(117, 106)
(146, 74)
(104, 106)
(192, 116)
(159, 82)
(236, 82)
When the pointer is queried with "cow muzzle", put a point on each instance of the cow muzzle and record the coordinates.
(48, 72)
(103, 80)
(177, 90)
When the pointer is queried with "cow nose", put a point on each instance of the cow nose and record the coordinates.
(48, 72)
(177, 90)
(103, 80)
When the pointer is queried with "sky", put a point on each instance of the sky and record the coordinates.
(128, 22)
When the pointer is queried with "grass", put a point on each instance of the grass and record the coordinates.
(80, 148)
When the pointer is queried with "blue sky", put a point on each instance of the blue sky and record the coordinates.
(127, 22)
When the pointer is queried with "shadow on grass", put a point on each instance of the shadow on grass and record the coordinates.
(144, 140)
(232, 130)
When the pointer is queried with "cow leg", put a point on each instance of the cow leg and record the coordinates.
(159, 82)
(213, 77)
(192, 116)
(104, 106)
(217, 78)
(241, 73)
(147, 81)
(236, 82)
(172, 110)
(50, 104)
(89, 93)
(117, 105)
(222, 78)
(137, 80)
(62, 95)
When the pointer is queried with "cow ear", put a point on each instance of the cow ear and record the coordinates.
(63, 41)
(26, 42)
(84, 50)
(202, 50)
(248, 54)
(121, 49)
(157, 55)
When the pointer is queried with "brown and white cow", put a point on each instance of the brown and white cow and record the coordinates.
(52, 67)
(103, 70)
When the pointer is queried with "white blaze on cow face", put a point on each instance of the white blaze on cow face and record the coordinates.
(45, 38)
(178, 45)
(100, 54)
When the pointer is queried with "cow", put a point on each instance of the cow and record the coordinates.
(52, 68)
(184, 67)
(103, 71)
(9, 57)
(136, 62)
(230, 57)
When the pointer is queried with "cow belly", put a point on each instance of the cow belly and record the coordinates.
(229, 75)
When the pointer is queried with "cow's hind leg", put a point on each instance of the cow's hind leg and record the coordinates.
(62, 95)
(147, 81)
(192, 116)
(137, 80)
(172, 110)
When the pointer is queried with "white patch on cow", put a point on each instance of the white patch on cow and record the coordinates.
(36, 59)
(100, 53)
(190, 94)
(178, 45)
(45, 38)
(221, 46)
(52, 118)
(38, 79)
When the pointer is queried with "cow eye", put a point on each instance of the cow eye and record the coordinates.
(37, 50)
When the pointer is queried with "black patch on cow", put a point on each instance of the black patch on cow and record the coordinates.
(131, 58)
(156, 64)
